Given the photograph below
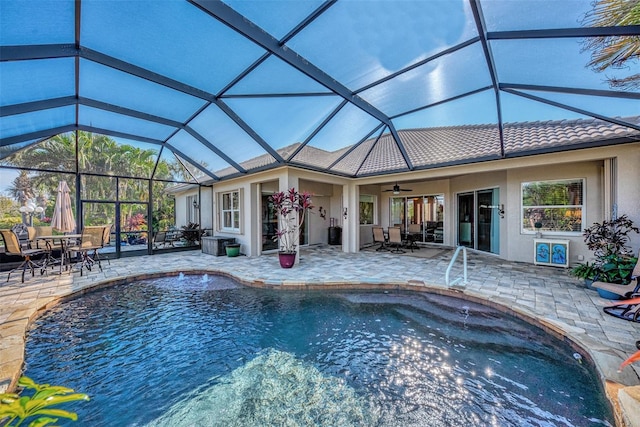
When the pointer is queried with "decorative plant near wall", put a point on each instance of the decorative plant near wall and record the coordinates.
(609, 242)
(290, 207)
(191, 233)
(38, 408)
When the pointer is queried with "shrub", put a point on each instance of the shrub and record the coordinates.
(609, 242)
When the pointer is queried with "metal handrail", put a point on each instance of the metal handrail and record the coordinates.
(453, 259)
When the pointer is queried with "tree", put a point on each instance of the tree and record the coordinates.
(614, 52)
(22, 190)
(7, 206)
(100, 154)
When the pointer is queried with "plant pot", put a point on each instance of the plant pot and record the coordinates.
(588, 283)
(232, 249)
(607, 295)
(287, 259)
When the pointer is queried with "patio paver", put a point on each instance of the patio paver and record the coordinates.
(556, 300)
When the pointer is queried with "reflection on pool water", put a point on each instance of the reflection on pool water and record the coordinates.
(194, 350)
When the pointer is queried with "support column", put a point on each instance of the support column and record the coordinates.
(350, 217)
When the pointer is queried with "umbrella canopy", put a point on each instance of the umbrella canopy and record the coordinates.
(63, 220)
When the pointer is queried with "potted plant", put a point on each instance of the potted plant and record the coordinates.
(586, 271)
(617, 269)
(290, 206)
(538, 226)
(232, 249)
(609, 242)
(191, 233)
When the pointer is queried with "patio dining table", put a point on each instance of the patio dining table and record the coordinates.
(410, 240)
(66, 241)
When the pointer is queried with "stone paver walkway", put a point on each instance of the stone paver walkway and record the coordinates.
(552, 297)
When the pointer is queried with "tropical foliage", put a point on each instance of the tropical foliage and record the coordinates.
(609, 241)
(610, 237)
(100, 159)
(38, 408)
(291, 207)
(614, 52)
(192, 233)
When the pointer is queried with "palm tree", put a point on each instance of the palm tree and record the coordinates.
(614, 52)
(96, 154)
(22, 190)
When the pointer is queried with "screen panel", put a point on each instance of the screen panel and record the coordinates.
(36, 80)
(207, 57)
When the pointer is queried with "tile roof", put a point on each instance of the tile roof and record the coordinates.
(440, 146)
(528, 136)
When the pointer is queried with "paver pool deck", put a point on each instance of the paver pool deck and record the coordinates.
(558, 302)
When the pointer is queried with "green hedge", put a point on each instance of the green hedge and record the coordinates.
(10, 221)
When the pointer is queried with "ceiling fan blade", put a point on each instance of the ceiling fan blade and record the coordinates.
(396, 189)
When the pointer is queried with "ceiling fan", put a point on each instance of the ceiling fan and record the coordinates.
(396, 189)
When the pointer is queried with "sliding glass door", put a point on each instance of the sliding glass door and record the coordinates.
(478, 220)
(422, 216)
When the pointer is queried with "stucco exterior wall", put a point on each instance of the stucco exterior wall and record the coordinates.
(628, 194)
(520, 245)
(335, 193)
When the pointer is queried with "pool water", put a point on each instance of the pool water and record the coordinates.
(203, 350)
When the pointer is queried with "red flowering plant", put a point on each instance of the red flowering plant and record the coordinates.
(290, 207)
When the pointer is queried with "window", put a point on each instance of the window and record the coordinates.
(553, 206)
(367, 209)
(230, 211)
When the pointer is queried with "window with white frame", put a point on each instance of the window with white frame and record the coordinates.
(553, 206)
(230, 211)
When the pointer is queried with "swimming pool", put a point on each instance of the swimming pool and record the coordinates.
(203, 350)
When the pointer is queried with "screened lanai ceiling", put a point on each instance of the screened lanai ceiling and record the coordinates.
(352, 88)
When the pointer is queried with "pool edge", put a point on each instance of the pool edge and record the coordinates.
(624, 410)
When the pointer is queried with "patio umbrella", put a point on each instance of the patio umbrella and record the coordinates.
(62, 219)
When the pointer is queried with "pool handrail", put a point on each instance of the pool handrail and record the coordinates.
(464, 271)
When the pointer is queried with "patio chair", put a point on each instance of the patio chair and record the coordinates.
(106, 239)
(627, 309)
(414, 234)
(624, 291)
(395, 239)
(159, 239)
(378, 237)
(173, 235)
(415, 229)
(91, 240)
(42, 230)
(31, 237)
(12, 246)
(46, 245)
(22, 233)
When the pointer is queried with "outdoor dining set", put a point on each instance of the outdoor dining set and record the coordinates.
(41, 249)
(394, 239)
